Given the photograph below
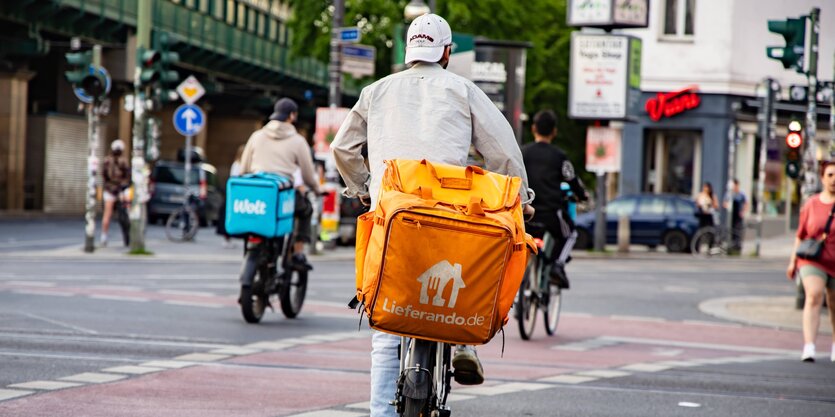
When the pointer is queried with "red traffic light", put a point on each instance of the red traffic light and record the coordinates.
(794, 140)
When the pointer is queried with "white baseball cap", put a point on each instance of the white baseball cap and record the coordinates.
(117, 145)
(426, 38)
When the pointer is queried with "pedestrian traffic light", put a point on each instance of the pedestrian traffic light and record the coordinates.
(794, 33)
(148, 63)
(794, 142)
(85, 76)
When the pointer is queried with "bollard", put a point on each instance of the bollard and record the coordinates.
(623, 234)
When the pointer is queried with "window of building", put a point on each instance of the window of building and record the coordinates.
(678, 18)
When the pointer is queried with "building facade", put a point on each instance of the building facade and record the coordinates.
(702, 63)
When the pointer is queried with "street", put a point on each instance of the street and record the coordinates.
(647, 334)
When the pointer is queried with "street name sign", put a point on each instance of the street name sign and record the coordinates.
(358, 60)
(189, 119)
(350, 34)
(190, 90)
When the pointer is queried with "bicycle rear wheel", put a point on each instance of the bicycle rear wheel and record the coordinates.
(526, 302)
(292, 292)
(181, 225)
(705, 242)
(553, 306)
(253, 298)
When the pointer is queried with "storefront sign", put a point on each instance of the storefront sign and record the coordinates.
(671, 104)
(608, 14)
(603, 81)
(603, 149)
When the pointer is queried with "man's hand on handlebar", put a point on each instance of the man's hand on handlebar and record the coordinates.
(365, 200)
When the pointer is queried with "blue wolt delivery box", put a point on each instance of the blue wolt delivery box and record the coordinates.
(260, 204)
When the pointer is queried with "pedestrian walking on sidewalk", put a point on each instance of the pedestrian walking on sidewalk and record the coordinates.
(817, 275)
(116, 175)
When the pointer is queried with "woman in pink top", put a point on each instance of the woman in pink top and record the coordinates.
(818, 274)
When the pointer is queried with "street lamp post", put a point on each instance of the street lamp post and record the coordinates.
(335, 92)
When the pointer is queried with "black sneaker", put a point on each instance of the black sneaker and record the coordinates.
(299, 263)
(467, 367)
(558, 276)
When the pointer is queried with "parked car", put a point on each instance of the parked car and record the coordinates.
(654, 220)
(168, 191)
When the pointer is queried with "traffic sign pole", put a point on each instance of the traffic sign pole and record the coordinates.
(811, 182)
(187, 175)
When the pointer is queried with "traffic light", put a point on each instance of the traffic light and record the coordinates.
(794, 32)
(794, 142)
(149, 66)
(85, 76)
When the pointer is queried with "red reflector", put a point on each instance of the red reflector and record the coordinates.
(254, 239)
(329, 202)
(539, 242)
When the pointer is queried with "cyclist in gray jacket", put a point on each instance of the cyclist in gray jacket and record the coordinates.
(428, 113)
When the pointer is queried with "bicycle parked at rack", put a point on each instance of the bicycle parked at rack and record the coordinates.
(713, 241)
(537, 292)
(425, 378)
(183, 223)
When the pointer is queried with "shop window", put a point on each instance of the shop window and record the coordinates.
(679, 18)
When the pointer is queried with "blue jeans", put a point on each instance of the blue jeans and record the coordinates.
(385, 368)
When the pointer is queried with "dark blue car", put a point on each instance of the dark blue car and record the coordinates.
(654, 219)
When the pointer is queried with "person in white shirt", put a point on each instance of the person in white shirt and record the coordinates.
(428, 113)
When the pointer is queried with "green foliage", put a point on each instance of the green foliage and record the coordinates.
(540, 22)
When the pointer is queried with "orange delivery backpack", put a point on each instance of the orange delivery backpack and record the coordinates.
(443, 254)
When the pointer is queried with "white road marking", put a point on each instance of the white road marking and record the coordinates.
(31, 283)
(61, 323)
(45, 385)
(132, 370)
(603, 373)
(365, 405)
(201, 357)
(93, 378)
(235, 351)
(114, 287)
(504, 388)
(645, 367)
(167, 364)
(268, 346)
(696, 345)
(44, 292)
(568, 379)
(8, 394)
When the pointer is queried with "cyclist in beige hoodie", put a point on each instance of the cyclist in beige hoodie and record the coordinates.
(279, 149)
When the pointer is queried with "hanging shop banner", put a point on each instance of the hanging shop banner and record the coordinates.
(604, 77)
(603, 149)
(608, 14)
(328, 120)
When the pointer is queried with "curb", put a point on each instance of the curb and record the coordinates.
(771, 312)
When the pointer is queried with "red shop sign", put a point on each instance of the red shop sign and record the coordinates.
(671, 104)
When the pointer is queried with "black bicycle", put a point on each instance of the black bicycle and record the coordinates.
(183, 223)
(425, 378)
(537, 292)
(268, 272)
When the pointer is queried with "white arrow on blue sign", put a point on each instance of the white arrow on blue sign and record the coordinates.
(189, 119)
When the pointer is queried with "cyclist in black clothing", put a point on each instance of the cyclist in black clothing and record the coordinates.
(547, 168)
